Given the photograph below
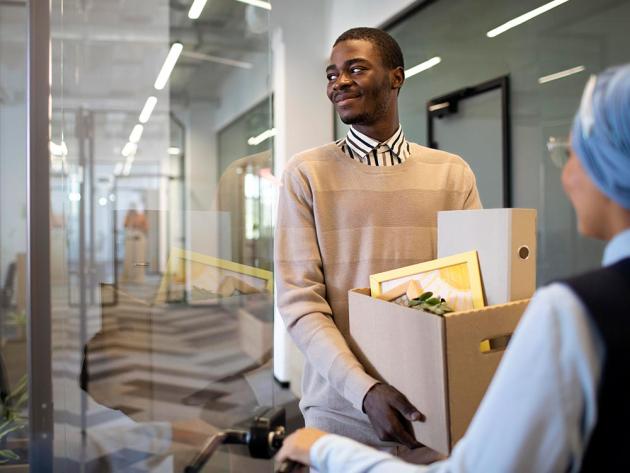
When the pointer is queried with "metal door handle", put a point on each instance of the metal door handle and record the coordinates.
(141, 264)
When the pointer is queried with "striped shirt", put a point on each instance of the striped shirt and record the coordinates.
(369, 151)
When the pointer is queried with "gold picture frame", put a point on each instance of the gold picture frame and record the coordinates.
(455, 278)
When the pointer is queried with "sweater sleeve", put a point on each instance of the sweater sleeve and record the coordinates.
(301, 290)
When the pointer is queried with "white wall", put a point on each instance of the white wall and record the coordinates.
(302, 111)
(303, 120)
(346, 14)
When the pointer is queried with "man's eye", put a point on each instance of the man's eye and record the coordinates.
(356, 69)
(331, 76)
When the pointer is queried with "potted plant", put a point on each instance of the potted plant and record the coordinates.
(13, 451)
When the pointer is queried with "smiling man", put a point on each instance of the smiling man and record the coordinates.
(365, 204)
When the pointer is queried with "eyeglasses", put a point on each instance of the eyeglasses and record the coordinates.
(558, 150)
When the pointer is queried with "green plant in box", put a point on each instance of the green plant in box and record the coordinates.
(427, 302)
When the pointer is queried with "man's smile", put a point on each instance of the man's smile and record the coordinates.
(343, 98)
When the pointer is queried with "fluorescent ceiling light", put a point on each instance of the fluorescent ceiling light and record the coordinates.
(136, 133)
(174, 151)
(147, 110)
(217, 59)
(196, 8)
(434, 61)
(438, 106)
(58, 150)
(74, 196)
(265, 135)
(169, 64)
(127, 167)
(257, 3)
(519, 20)
(129, 149)
(560, 74)
(118, 169)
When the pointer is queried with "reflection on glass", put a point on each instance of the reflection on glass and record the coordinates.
(162, 273)
(558, 151)
(14, 422)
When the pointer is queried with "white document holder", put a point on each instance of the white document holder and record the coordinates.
(505, 240)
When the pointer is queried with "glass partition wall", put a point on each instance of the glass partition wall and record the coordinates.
(547, 61)
(160, 237)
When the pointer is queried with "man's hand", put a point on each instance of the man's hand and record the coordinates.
(297, 446)
(391, 414)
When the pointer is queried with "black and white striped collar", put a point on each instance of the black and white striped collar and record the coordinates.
(369, 151)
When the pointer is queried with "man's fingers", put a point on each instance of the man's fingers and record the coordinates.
(406, 438)
(408, 410)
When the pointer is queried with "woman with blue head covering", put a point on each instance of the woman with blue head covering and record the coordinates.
(558, 401)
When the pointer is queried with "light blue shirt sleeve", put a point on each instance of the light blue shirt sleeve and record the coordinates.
(333, 453)
(538, 412)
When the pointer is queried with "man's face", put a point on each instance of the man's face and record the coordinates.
(359, 85)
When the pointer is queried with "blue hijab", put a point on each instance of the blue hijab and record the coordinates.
(601, 133)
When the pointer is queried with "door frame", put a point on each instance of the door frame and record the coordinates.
(39, 317)
(448, 104)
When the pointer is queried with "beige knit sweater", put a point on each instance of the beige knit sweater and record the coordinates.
(338, 222)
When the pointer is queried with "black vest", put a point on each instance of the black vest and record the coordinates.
(606, 294)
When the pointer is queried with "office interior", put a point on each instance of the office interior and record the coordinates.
(141, 148)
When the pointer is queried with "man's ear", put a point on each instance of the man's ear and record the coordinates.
(397, 77)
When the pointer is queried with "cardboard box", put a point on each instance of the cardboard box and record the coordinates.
(505, 240)
(443, 364)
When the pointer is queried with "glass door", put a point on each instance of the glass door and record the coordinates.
(162, 282)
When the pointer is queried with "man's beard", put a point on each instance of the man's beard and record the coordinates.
(367, 118)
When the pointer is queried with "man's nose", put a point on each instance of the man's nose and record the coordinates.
(343, 80)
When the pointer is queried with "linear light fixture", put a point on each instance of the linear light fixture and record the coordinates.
(257, 3)
(217, 59)
(196, 8)
(423, 66)
(265, 135)
(58, 150)
(129, 149)
(439, 106)
(169, 64)
(560, 74)
(118, 169)
(127, 167)
(519, 20)
(174, 151)
(136, 133)
(147, 110)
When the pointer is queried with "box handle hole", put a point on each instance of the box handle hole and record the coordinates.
(490, 345)
(523, 252)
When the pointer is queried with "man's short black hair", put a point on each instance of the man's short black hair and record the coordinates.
(390, 51)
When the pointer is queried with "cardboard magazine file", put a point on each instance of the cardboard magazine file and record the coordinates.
(505, 240)
(443, 364)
